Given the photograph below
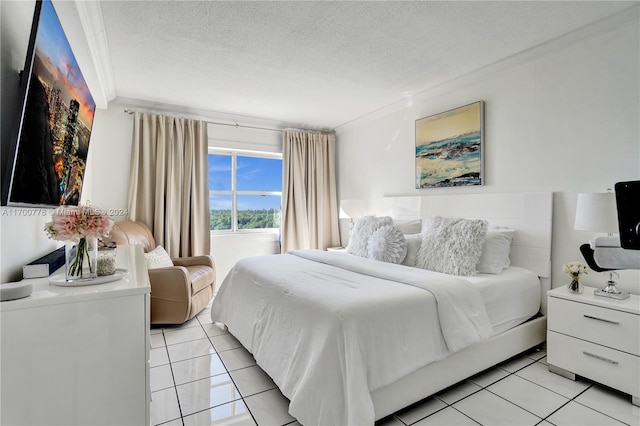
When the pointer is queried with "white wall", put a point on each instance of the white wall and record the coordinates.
(562, 118)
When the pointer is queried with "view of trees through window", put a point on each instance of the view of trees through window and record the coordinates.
(245, 191)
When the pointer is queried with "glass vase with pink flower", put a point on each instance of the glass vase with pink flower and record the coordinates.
(79, 227)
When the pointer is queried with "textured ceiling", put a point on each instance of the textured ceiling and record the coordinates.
(319, 64)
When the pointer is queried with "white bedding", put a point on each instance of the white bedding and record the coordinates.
(329, 335)
(510, 298)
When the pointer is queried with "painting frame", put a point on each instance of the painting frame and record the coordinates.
(449, 148)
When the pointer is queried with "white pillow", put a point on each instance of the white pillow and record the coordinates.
(495, 251)
(413, 246)
(408, 226)
(362, 230)
(158, 258)
(387, 244)
(451, 245)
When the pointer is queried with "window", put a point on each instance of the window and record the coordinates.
(245, 191)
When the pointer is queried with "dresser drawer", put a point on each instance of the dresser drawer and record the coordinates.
(604, 365)
(608, 327)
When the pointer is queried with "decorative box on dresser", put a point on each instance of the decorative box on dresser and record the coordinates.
(78, 355)
(595, 337)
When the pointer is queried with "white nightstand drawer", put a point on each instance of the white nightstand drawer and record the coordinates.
(608, 327)
(604, 365)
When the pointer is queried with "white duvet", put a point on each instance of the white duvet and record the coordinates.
(330, 328)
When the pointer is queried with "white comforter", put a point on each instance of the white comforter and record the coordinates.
(330, 328)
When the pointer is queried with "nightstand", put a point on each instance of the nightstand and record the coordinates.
(336, 249)
(595, 337)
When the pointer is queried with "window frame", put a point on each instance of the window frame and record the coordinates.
(233, 192)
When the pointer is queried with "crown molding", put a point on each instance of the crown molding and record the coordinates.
(629, 16)
(93, 27)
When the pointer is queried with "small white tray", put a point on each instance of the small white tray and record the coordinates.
(60, 279)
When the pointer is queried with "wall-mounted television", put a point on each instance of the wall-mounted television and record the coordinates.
(628, 205)
(47, 159)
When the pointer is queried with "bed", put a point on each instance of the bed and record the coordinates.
(350, 340)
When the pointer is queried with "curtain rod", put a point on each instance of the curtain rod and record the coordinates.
(236, 125)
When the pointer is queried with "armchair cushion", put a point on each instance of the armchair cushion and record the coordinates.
(158, 258)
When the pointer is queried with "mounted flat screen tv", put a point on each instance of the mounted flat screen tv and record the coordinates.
(628, 205)
(47, 160)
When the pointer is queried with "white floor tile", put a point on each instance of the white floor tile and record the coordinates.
(176, 422)
(193, 322)
(155, 330)
(235, 359)
(158, 356)
(204, 319)
(161, 377)
(525, 394)
(184, 335)
(232, 413)
(456, 393)
(488, 377)
(420, 410)
(489, 409)
(387, 421)
(540, 374)
(536, 354)
(574, 414)
(206, 393)
(611, 403)
(516, 364)
(214, 329)
(157, 340)
(164, 406)
(252, 380)
(193, 369)
(269, 408)
(191, 349)
(224, 342)
(447, 417)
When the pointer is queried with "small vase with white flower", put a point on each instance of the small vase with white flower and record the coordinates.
(575, 270)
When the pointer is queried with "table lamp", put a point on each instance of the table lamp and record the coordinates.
(350, 209)
(597, 212)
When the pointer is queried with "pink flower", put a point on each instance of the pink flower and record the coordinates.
(74, 223)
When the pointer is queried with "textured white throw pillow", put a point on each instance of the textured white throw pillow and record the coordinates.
(362, 230)
(387, 244)
(495, 251)
(451, 245)
(158, 258)
(413, 246)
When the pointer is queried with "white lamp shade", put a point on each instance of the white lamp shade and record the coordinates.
(351, 208)
(597, 212)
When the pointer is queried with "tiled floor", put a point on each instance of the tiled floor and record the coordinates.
(201, 375)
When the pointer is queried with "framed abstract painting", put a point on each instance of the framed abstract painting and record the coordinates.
(449, 148)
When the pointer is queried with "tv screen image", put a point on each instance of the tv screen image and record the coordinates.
(49, 158)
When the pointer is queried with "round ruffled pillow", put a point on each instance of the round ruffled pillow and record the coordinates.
(387, 244)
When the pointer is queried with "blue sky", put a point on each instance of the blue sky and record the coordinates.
(58, 64)
(253, 174)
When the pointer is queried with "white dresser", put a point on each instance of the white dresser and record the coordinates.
(595, 337)
(78, 355)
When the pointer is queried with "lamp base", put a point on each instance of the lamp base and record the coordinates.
(611, 292)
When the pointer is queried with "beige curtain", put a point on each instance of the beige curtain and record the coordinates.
(169, 183)
(309, 202)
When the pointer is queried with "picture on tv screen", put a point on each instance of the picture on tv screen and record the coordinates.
(56, 121)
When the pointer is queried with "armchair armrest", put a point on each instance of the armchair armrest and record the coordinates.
(194, 261)
(170, 283)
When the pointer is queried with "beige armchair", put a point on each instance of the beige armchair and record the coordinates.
(178, 293)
